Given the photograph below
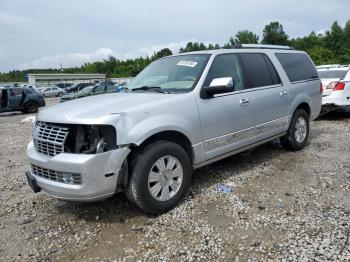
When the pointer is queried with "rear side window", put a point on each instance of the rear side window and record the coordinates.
(259, 70)
(298, 66)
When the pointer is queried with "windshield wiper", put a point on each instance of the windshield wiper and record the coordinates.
(151, 88)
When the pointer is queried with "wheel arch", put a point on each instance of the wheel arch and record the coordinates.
(166, 135)
(174, 136)
(305, 106)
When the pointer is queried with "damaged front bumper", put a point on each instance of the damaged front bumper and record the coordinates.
(96, 174)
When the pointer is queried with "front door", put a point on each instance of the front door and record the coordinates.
(253, 112)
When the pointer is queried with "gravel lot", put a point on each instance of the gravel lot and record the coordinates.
(288, 206)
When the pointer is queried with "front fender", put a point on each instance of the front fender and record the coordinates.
(160, 123)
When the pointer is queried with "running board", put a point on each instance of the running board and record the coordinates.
(215, 159)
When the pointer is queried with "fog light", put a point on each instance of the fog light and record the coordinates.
(67, 178)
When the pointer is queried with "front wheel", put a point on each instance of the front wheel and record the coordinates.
(31, 107)
(60, 94)
(298, 132)
(160, 178)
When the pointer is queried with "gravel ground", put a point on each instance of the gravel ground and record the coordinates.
(286, 206)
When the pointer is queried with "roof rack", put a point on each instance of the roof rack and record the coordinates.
(282, 47)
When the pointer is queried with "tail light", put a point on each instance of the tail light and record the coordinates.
(321, 89)
(340, 86)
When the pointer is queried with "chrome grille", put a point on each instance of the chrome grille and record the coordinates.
(48, 138)
(57, 176)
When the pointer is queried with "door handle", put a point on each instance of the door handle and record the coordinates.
(244, 101)
(284, 93)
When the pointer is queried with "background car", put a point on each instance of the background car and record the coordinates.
(336, 87)
(64, 85)
(77, 87)
(92, 90)
(20, 99)
(52, 91)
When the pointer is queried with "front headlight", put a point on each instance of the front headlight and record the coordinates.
(91, 139)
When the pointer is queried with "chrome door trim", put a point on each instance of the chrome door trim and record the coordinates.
(248, 90)
(221, 141)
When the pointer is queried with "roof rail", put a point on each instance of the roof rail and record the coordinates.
(331, 66)
(283, 47)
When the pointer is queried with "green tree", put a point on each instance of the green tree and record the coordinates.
(193, 46)
(244, 37)
(274, 34)
(344, 56)
(162, 53)
(333, 39)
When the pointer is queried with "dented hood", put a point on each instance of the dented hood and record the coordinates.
(96, 109)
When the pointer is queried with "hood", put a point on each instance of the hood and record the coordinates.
(94, 109)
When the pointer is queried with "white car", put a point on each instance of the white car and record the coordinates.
(336, 86)
(52, 91)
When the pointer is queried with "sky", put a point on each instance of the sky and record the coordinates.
(47, 33)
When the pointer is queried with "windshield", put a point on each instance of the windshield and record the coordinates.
(171, 74)
(74, 85)
(332, 74)
(86, 90)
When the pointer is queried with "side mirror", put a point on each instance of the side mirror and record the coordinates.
(220, 86)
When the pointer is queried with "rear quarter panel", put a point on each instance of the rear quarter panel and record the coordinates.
(307, 91)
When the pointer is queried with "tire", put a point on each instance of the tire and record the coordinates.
(60, 94)
(298, 133)
(141, 184)
(31, 107)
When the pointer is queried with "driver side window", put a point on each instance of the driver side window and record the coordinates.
(226, 65)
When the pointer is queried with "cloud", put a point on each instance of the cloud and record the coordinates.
(70, 59)
(173, 46)
(10, 21)
(43, 33)
(79, 58)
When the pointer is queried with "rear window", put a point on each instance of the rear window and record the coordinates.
(298, 66)
(259, 70)
(332, 74)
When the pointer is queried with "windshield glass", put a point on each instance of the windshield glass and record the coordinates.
(332, 74)
(86, 90)
(171, 74)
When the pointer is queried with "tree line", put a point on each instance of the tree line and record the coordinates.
(332, 47)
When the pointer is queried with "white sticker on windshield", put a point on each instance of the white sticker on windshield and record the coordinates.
(187, 63)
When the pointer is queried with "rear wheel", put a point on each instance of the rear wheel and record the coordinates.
(31, 107)
(160, 178)
(298, 132)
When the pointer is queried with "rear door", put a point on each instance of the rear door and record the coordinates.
(54, 91)
(15, 98)
(268, 98)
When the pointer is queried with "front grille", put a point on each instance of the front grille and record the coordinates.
(48, 138)
(56, 176)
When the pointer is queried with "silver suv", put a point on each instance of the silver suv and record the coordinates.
(180, 113)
